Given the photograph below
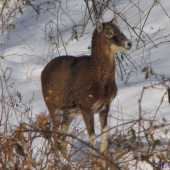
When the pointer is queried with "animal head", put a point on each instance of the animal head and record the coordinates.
(112, 37)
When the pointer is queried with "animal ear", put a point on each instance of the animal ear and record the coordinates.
(99, 27)
(113, 20)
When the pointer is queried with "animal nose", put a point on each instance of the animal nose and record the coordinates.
(128, 44)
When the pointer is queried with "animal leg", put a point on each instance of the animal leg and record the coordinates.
(56, 123)
(89, 122)
(67, 119)
(104, 130)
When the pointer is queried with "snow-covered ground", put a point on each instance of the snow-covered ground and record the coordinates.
(27, 49)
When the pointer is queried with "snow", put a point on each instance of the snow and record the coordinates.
(27, 50)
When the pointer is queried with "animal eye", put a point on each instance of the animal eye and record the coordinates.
(109, 34)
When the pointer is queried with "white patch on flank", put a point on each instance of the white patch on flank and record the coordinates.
(90, 95)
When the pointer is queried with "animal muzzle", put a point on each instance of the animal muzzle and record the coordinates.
(127, 45)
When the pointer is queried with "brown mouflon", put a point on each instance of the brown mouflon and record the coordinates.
(84, 85)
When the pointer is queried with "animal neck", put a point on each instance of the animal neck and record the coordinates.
(102, 57)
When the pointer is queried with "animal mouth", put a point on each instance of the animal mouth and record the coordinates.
(126, 48)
